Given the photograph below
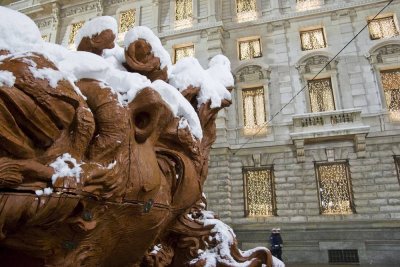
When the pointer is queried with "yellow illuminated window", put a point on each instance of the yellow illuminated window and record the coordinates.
(259, 193)
(126, 20)
(44, 37)
(249, 49)
(303, 5)
(334, 188)
(246, 10)
(382, 28)
(185, 51)
(74, 30)
(321, 95)
(391, 89)
(183, 13)
(253, 109)
(314, 39)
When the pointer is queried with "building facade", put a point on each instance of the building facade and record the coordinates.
(311, 142)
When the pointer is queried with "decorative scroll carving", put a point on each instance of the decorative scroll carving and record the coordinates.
(251, 73)
(385, 51)
(83, 8)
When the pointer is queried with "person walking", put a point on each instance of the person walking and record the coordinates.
(276, 242)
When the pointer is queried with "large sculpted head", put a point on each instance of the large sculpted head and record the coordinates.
(104, 152)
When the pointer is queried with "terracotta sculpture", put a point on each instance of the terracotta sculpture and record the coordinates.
(86, 181)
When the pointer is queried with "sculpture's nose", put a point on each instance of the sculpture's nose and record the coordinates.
(149, 115)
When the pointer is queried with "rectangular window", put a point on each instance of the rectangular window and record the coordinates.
(246, 10)
(184, 51)
(313, 39)
(259, 192)
(126, 20)
(253, 109)
(321, 95)
(249, 49)
(183, 14)
(334, 188)
(391, 89)
(382, 28)
(303, 5)
(74, 30)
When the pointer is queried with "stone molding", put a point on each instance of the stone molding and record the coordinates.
(95, 6)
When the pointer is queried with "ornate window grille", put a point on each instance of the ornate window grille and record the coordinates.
(397, 162)
(382, 28)
(335, 196)
(313, 39)
(259, 192)
(74, 30)
(249, 49)
(126, 20)
(183, 13)
(185, 51)
(246, 10)
(253, 109)
(391, 88)
(303, 5)
(321, 95)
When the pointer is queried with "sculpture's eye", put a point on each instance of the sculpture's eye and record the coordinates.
(172, 167)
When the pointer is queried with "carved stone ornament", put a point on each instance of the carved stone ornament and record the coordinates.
(88, 180)
(251, 73)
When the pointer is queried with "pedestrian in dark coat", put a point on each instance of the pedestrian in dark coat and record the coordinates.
(276, 242)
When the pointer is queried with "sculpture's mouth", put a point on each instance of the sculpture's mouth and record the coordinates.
(173, 168)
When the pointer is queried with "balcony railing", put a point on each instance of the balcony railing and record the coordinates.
(320, 126)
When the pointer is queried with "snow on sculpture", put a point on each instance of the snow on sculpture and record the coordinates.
(103, 153)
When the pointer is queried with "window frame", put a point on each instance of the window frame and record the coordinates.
(349, 185)
(302, 31)
(263, 127)
(237, 15)
(272, 186)
(176, 24)
(249, 39)
(383, 96)
(332, 91)
(381, 17)
(71, 45)
(180, 46)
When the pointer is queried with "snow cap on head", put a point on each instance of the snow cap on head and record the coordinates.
(220, 69)
(96, 26)
(18, 32)
(142, 32)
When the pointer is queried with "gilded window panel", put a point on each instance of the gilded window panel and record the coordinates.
(127, 20)
(313, 39)
(259, 192)
(183, 13)
(249, 49)
(391, 89)
(321, 95)
(303, 5)
(246, 10)
(253, 110)
(74, 30)
(334, 188)
(382, 28)
(185, 51)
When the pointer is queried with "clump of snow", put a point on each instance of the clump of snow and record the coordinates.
(53, 76)
(156, 249)
(188, 71)
(63, 169)
(142, 32)
(7, 78)
(96, 26)
(224, 237)
(17, 31)
(111, 165)
(47, 191)
(219, 68)
(179, 106)
(115, 56)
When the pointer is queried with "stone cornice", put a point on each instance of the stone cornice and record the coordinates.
(94, 6)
